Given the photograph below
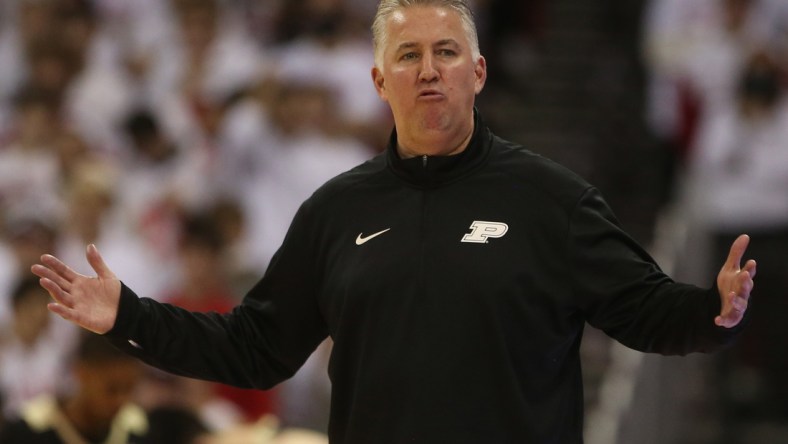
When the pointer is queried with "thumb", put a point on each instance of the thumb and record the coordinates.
(737, 252)
(97, 262)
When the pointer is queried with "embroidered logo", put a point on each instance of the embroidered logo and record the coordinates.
(360, 240)
(481, 231)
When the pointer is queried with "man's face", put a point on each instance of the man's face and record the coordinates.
(428, 76)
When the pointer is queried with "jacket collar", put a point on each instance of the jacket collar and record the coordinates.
(433, 171)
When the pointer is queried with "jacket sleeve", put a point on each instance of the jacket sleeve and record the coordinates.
(260, 343)
(624, 293)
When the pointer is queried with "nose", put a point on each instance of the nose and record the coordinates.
(428, 71)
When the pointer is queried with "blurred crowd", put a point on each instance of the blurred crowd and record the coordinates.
(718, 74)
(180, 136)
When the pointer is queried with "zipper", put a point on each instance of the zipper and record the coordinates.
(422, 229)
(423, 240)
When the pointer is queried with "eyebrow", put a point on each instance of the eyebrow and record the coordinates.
(407, 45)
(449, 42)
(443, 42)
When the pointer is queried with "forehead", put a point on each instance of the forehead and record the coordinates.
(424, 25)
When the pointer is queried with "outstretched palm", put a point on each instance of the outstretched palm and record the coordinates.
(90, 302)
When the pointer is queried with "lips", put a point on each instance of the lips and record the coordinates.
(430, 93)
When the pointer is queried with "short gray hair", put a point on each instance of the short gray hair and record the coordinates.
(387, 7)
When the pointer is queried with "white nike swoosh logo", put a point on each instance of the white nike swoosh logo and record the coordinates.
(362, 240)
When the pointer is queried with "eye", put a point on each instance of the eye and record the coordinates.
(445, 52)
(410, 56)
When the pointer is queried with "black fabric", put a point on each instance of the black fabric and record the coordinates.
(19, 432)
(437, 339)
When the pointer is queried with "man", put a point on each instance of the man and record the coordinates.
(454, 273)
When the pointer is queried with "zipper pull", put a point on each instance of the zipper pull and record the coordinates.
(424, 161)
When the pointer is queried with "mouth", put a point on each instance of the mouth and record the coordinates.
(430, 94)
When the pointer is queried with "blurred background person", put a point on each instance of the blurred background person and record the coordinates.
(98, 409)
(174, 425)
(26, 235)
(35, 350)
(203, 285)
(24, 25)
(306, 151)
(695, 52)
(151, 189)
(98, 95)
(741, 153)
(29, 172)
(714, 98)
(324, 43)
(92, 215)
(206, 62)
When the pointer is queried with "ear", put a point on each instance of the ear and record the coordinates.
(380, 84)
(480, 69)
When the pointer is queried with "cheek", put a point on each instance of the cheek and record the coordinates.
(397, 82)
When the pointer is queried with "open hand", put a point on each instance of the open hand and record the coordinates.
(90, 302)
(735, 284)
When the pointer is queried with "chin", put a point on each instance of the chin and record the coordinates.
(435, 120)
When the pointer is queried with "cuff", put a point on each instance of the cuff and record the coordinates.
(128, 308)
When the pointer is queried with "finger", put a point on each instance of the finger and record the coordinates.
(724, 318)
(97, 262)
(732, 311)
(71, 315)
(750, 267)
(56, 292)
(59, 267)
(744, 285)
(64, 312)
(59, 310)
(44, 272)
(726, 322)
(738, 304)
(737, 252)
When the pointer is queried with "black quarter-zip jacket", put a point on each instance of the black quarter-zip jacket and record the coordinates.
(455, 290)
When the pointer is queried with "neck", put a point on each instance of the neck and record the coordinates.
(435, 143)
